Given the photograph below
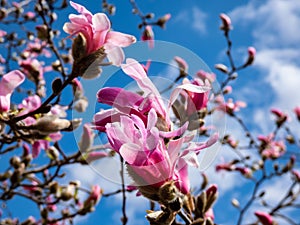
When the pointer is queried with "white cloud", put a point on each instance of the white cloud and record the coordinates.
(283, 74)
(199, 18)
(193, 17)
(275, 21)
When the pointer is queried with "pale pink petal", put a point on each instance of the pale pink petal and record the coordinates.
(114, 53)
(10, 81)
(120, 39)
(137, 72)
(101, 25)
(4, 102)
(129, 152)
(183, 183)
(82, 10)
(174, 133)
(87, 138)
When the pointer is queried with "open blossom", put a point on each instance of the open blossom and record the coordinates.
(270, 148)
(8, 84)
(96, 29)
(230, 106)
(138, 127)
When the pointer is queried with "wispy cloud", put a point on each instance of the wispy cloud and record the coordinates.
(193, 17)
(275, 21)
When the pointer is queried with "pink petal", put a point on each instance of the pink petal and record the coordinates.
(119, 98)
(10, 81)
(137, 72)
(101, 25)
(87, 138)
(5, 103)
(120, 39)
(129, 152)
(81, 9)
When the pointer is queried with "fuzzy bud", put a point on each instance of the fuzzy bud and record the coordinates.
(79, 47)
(42, 32)
(226, 22)
(251, 56)
(51, 124)
(222, 68)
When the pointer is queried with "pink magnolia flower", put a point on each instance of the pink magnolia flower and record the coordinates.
(97, 31)
(138, 126)
(29, 104)
(148, 35)
(271, 149)
(196, 101)
(230, 106)
(8, 84)
(264, 218)
(36, 48)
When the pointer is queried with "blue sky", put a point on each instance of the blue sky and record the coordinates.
(273, 81)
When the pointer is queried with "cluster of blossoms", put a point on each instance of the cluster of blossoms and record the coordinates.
(139, 127)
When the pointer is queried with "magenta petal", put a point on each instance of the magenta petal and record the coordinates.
(120, 39)
(104, 117)
(4, 103)
(183, 183)
(119, 98)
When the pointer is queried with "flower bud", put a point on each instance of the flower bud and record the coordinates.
(50, 124)
(53, 153)
(148, 35)
(162, 20)
(67, 193)
(226, 22)
(56, 85)
(235, 203)
(79, 47)
(74, 124)
(222, 68)
(81, 104)
(15, 161)
(42, 32)
(264, 218)
(251, 56)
